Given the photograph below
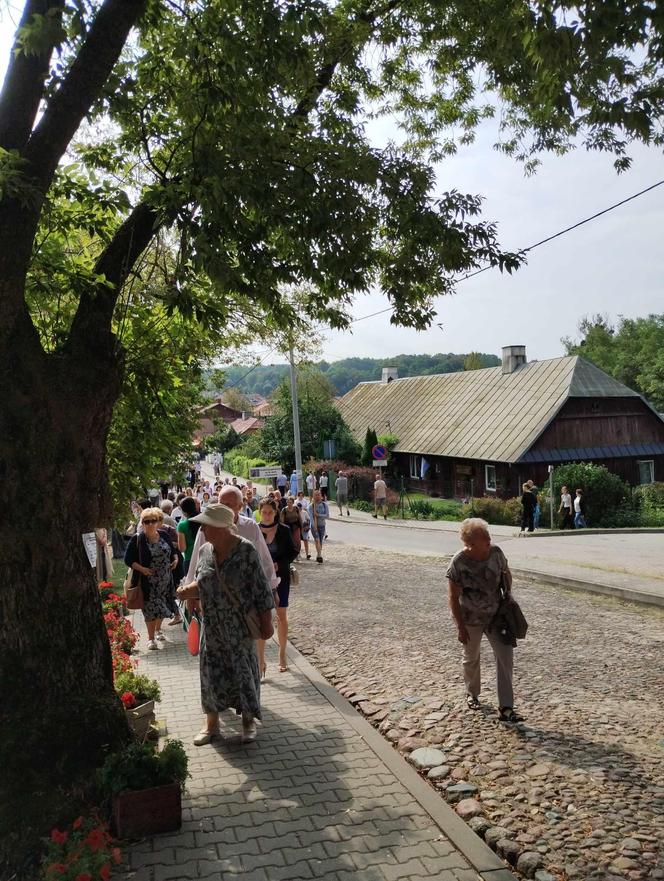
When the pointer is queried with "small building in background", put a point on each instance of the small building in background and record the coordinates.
(484, 432)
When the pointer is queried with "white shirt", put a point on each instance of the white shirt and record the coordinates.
(311, 481)
(246, 528)
(380, 489)
(566, 500)
(323, 480)
(577, 504)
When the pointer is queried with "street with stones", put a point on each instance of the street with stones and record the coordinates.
(576, 791)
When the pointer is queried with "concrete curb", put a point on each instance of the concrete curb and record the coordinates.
(483, 860)
(631, 530)
(622, 593)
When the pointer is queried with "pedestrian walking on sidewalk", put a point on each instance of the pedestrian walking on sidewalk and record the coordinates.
(279, 541)
(152, 556)
(319, 511)
(566, 508)
(341, 488)
(528, 502)
(380, 497)
(231, 584)
(579, 510)
(475, 577)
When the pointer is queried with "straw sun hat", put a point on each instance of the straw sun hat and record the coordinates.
(216, 514)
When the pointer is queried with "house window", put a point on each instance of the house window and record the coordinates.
(415, 467)
(646, 470)
(490, 478)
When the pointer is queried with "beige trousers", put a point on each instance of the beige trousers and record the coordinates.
(503, 654)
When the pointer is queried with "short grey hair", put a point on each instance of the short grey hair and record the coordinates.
(166, 506)
(229, 488)
(471, 526)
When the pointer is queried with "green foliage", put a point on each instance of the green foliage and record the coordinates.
(223, 440)
(608, 500)
(473, 361)
(139, 766)
(370, 441)
(141, 686)
(422, 510)
(650, 495)
(240, 465)
(632, 351)
(319, 421)
(347, 372)
(506, 512)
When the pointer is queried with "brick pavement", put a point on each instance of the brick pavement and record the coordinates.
(318, 795)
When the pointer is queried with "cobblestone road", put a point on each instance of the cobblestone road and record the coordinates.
(582, 781)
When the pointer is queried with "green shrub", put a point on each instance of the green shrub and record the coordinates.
(362, 505)
(608, 500)
(422, 510)
(505, 512)
(140, 766)
(650, 495)
(141, 686)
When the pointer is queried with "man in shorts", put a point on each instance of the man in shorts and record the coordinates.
(341, 487)
(380, 497)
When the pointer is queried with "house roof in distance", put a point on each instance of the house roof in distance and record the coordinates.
(475, 414)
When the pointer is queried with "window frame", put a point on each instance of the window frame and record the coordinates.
(487, 487)
(415, 462)
(651, 462)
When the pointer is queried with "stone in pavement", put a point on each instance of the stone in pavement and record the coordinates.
(583, 681)
(425, 758)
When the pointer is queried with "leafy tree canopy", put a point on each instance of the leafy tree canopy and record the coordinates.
(319, 421)
(632, 350)
(347, 372)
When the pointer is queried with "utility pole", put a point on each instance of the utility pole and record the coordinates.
(296, 416)
(551, 493)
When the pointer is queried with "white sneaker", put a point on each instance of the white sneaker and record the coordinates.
(160, 636)
(152, 645)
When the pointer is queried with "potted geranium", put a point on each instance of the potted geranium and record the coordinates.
(81, 853)
(145, 787)
(138, 693)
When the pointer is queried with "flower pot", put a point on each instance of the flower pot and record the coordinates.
(140, 719)
(147, 811)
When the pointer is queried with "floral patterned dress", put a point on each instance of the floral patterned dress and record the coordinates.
(229, 667)
(158, 604)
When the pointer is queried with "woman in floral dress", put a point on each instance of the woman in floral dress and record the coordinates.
(230, 583)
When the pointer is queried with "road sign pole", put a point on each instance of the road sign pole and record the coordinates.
(296, 417)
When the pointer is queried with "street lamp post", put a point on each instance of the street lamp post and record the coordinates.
(296, 417)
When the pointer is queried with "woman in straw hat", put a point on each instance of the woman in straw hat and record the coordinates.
(230, 583)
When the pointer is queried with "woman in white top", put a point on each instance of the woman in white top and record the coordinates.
(566, 508)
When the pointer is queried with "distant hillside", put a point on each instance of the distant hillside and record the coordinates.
(346, 374)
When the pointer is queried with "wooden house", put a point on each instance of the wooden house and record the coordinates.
(487, 431)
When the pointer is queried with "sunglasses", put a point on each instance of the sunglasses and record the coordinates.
(151, 520)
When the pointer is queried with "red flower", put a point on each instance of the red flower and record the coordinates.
(56, 869)
(128, 700)
(59, 837)
(84, 876)
(105, 584)
(78, 822)
(117, 856)
(105, 872)
(96, 839)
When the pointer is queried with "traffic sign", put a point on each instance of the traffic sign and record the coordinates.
(380, 463)
(379, 451)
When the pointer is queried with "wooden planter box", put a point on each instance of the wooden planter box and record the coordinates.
(140, 719)
(148, 811)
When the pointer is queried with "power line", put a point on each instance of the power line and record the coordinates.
(251, 370)
(550, 238)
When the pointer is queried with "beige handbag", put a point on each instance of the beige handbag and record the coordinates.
(294, 576)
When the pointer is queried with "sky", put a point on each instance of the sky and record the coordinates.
(613, 265)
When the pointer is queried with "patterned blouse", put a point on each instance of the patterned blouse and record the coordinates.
(479, 581)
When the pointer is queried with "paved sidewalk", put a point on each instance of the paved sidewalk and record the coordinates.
(320, 794)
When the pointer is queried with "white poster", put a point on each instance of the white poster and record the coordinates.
(90, 545)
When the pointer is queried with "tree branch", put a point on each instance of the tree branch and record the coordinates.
(95, 309)
(26, 74)
(82, 85)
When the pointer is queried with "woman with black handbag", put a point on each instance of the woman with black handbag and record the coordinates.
(478, 578)
(153, 558)
(280, 544)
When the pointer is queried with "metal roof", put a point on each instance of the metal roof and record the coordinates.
(580, 454)
(475, 414)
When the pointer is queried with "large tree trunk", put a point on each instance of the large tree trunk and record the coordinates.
(58, 709)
